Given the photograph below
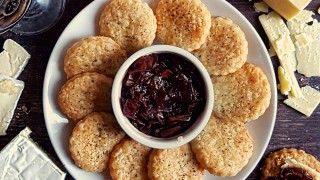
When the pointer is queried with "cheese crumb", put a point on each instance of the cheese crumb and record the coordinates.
(271, 51)
(261, 7)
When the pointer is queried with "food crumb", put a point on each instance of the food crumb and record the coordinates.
(24, 110)
(261, 7)
(180, 139)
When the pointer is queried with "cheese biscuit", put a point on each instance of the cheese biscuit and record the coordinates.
(243, 95)
(178, 163)
(131, 23)
(93, 139)
(184, 23)
(85, 93)
(94, 54)
(129, 160)
(224, 147)
(225, 49)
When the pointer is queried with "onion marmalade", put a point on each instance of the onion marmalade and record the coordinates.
(293, 174)
(162, 94)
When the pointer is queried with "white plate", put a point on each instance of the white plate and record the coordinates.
(84, 24)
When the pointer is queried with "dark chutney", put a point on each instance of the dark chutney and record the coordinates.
(162, 94)
(292, 173)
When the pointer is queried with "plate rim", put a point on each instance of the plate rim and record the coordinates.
(272, 81)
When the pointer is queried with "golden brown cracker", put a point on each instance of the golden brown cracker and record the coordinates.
(225, 49)
(93, 139)
(85, 93)
(129, 160)
(243, 95)
(131, 23)
(94, 54)
(224, 147)
(183, 23)
(178, 163)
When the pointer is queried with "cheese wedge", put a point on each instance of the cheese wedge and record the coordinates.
(288, 8)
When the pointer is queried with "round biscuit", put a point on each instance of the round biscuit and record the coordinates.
(85, 93)
(225, 49)
(131, 23)
(273, 163)
(129, 160)
(93, 139)
(94, 54)
(178, 163)
(224, 147)
(183, 23)
(243, 95)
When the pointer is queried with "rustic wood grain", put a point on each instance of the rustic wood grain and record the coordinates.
(292, 129)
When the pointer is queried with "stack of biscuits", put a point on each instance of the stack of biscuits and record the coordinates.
(242, 91)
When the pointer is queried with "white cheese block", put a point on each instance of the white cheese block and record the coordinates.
(13, 59)
(292, 163)
(307, 103)
(10, 92)
(288, 8)
(25, 161)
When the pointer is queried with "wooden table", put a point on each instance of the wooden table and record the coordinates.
(292, 129)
